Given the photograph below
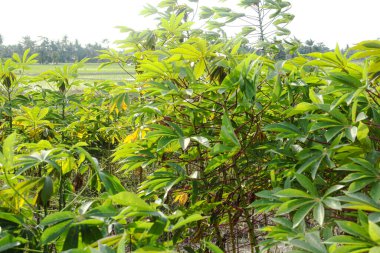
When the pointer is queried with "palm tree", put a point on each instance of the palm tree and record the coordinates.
(310, 44)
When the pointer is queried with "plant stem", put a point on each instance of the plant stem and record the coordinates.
(10, 110)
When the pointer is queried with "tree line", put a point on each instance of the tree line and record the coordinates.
(67, 51)
(53, 51)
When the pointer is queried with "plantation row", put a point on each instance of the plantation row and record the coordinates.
(210, 148)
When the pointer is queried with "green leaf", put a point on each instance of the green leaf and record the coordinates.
(131, 199)
(102, 211)
(187, 51)
(111, 183)
(286, 129)
(301, 213)
(277, 89)
(184, 142)
(362, 132)
(307, 184)
(332, 203)
(301, 108)
(352, 228)
(375, 249)
(332, 189)
(374, 232)
(314, 97)
(213, 248)
(158, 226)
(7, 242)
(293, 193)
(344, 78)
(89, 222)
(227, 133)
(201, 140)
(351, 133)
(319, 213)
(53, 232)
(290, 206)
(199, 68)
(47, 190)
(121, 245)
(152, 249)
(57, 217)
(8, 151)
(332, 132)
(11, 217)
(344, 239)
(165, 141)
(183, 222)
(105, 249)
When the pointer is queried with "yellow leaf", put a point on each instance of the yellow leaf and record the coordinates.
(112, 107)
(80, 135)
(132, 137)
(124, 106)
(143, 132)
(181, 198)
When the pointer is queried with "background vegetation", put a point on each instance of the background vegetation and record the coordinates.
(50, 51)
(213, 144)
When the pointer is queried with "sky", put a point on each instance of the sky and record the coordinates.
(329, 21)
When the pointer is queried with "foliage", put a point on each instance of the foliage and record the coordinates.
(208, 141)
(53, 51)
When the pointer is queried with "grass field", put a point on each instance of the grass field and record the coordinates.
(89, 72)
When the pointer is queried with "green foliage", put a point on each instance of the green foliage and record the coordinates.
(207, 140)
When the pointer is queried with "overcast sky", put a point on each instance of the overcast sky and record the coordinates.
(328, 21)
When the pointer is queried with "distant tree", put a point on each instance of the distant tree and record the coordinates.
(310, 46)
(50, 51)
(27, 42)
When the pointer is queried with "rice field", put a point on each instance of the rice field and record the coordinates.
(90, 71)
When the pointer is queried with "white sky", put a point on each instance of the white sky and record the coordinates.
(328, 21)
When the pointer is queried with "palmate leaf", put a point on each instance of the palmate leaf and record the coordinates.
(245, 77)
(187, 52)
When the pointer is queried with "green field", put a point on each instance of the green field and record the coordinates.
(90, 71)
